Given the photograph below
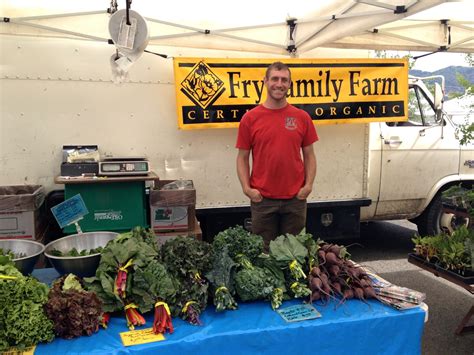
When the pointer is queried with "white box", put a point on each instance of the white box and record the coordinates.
(169, 218)
(20, 225)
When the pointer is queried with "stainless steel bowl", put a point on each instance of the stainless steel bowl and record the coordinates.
(30, 248)
(83, 266)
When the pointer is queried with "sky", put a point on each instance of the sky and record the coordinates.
(437, 61)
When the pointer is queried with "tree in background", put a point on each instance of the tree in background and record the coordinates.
(466, 130)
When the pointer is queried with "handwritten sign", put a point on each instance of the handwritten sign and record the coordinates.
(15, 351)
(142, 336)
(299, 312)
(70, 211)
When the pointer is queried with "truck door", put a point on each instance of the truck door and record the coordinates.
(415, 155)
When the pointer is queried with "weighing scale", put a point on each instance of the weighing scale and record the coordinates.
(120, 166)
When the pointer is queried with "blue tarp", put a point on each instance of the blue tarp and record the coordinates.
(354, 327)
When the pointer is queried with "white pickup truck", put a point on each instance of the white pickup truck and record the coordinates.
(411, 163)
(383, 170)
(57, 92)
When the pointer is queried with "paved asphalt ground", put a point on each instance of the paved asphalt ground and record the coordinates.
(386, 246)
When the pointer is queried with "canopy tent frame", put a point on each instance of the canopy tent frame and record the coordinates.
(328, 31)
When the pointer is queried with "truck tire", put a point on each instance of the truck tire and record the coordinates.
(429, 222)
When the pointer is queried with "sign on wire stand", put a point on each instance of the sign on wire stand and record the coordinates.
(70, 212)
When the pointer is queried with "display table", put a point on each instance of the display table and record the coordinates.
(353, 328)
(462, 328)
(115, 204)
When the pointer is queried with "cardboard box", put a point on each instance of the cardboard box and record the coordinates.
(172, 209)
(20, 212)
(196, 232)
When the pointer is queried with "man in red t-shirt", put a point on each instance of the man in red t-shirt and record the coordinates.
(280, 137)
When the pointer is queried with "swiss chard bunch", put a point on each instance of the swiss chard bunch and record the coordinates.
(154, 287)
(73, 310)
(23, 322)
(114, 276)
(130, 277)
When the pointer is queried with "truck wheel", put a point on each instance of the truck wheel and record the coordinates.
(429, 222)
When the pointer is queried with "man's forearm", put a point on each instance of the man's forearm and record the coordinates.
(310, 165)
(243, 170)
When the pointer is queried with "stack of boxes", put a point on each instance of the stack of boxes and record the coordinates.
(173, 210)
(21, 215)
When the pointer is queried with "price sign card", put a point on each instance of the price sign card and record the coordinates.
(142, 336)
(299, 312)
(70, 211)
(15, 351)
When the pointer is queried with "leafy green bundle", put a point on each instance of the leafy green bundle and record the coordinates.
(239, 241)
(23, 322)
(290, 255)
(188, 259)
(186, 256)
(258, 283)
(127, 253)
(73, 310)
(130, 277)
(221, 278)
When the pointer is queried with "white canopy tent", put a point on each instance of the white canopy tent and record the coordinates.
(291, 28)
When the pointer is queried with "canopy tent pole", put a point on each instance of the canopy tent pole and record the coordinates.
(220, 33)
(58, 30)
(43, 17)
(402, 8)
(414, 40)
(332, 19)
(342, 31)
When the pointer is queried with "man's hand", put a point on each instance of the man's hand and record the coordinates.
(304, 192)
(254, 195)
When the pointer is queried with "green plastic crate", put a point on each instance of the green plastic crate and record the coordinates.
(114, 206)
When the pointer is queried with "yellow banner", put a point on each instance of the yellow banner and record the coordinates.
(216, 93)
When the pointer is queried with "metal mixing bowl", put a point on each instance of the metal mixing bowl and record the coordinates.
(83, 266)
(30, 248)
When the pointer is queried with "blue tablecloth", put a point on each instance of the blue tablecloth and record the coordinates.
(352, 328)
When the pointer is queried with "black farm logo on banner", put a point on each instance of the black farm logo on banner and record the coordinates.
(202, 86)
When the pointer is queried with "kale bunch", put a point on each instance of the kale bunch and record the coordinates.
(23, 322)
(239, 242)
(252, 284)
(185, 256)
(73, 310)
(188, 260)
(258, 283)
(221, 278)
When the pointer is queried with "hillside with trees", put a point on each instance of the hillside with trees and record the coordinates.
(451, 74)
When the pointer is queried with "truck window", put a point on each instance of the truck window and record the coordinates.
(420, 111)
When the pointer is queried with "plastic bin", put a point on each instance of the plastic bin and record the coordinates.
(112, 206)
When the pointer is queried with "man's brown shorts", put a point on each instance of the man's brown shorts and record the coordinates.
(274, 217)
